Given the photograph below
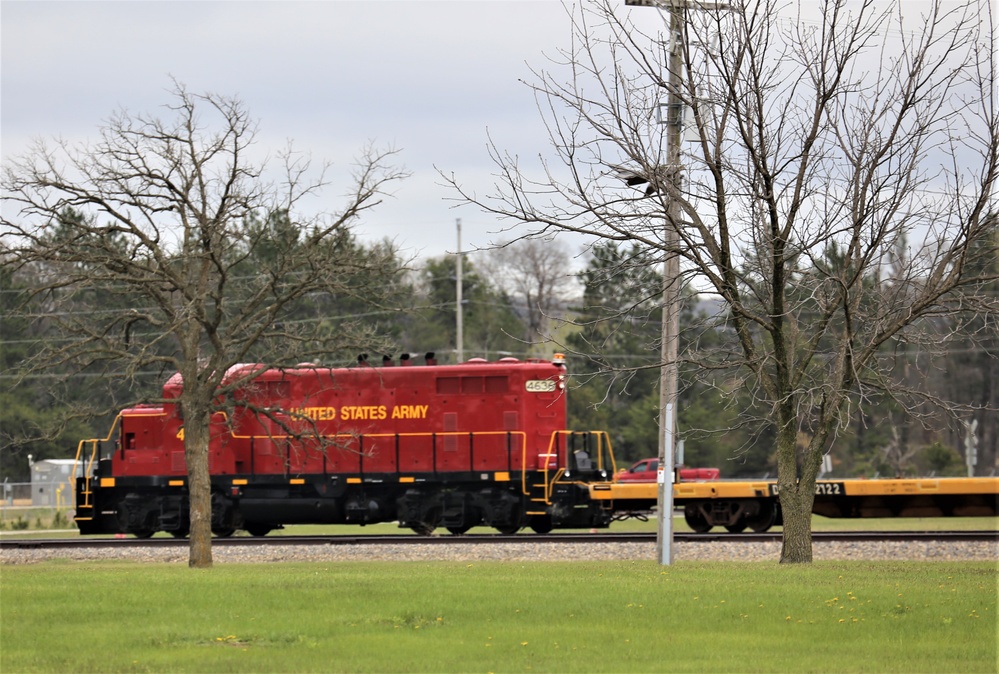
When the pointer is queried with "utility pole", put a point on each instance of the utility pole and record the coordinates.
(671, 297)
(460, 327)
(671, 280)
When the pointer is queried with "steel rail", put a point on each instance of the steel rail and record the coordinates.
(493, 539)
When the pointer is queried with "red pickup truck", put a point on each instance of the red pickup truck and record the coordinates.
(646, 469)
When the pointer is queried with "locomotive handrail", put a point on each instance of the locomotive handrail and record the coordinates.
(361, 436)
(553, 450)
(88, 468)
(433, 435)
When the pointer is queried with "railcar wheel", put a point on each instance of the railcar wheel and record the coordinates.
(223, 533)
(458, 531)
(179, 533)
(423, 529)
(509, 530)
(738, 527)
(258, 530)
(144, 533)
(765, 519)
(695, 520)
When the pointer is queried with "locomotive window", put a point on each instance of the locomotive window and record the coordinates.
(471, 384)
(448, 385)
(496, 384)
(264, 393)
(277, 392)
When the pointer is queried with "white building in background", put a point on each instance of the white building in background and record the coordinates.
(53, 481)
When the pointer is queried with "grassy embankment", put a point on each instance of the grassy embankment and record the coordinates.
(499, 617)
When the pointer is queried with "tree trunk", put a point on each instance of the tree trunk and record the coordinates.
(797, 494)
(796, 543)
(196, 435)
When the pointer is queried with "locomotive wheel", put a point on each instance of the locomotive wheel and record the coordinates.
(541, 524)
(695, 520)
(426, 527)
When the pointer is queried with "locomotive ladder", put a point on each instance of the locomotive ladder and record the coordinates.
(540, 488)
(85, 509)
(538, 497)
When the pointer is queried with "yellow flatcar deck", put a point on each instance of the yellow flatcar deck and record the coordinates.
(918, 497)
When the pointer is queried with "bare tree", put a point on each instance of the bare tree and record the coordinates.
(536, 271)
(820, 144)
(215, 263)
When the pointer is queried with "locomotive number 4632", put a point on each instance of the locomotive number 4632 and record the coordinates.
(540, 385)
(821, 489)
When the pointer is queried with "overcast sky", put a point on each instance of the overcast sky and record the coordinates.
(428, 78)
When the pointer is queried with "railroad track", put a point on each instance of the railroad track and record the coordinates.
(493, 539)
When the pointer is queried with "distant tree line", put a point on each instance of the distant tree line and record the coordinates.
(611, 332)
(615, 356)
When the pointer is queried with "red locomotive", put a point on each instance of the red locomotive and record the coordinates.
(456, 446)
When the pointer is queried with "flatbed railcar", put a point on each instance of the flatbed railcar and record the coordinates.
(427, 446)
(754, 504)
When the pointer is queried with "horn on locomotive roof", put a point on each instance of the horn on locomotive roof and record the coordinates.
(430, 358)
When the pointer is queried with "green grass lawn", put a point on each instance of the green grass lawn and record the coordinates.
(499, 617)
